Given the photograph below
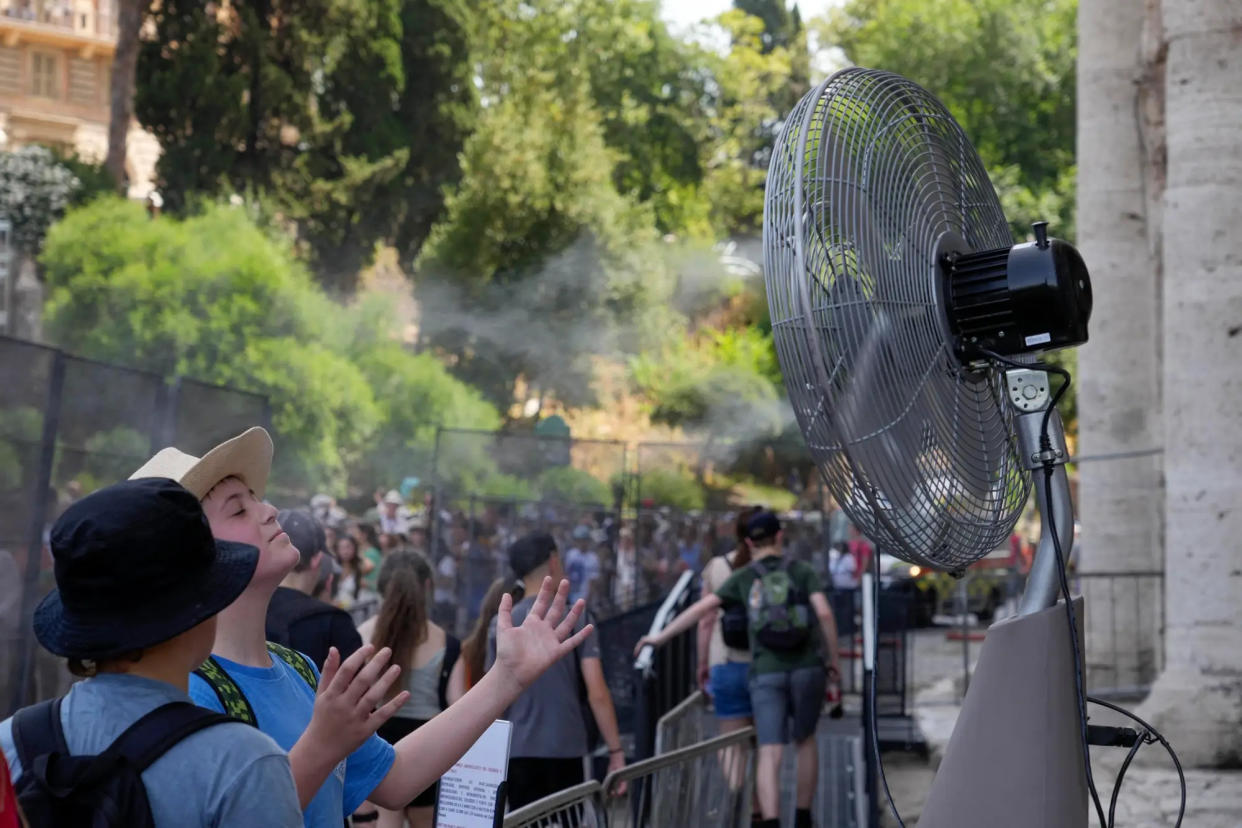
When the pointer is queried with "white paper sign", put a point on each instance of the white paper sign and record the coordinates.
(467, 797)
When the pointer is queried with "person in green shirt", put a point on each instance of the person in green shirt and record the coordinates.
(789, 675)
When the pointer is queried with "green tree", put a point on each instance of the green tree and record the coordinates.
(345, 114)
(212, 298)
(720, 382)
(1005, 69)
(652, 93)
(539, 264)
(752, 83)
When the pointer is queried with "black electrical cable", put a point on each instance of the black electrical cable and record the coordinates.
(1045, 446)
(874, 723)
(1151, 735)
(1049, 468)
(1121, 775)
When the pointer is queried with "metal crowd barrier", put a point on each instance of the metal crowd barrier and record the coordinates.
(707, 785)
(576, 807)
(684, 724)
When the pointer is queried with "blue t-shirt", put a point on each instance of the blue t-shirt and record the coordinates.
(282, 703)
(225, 775)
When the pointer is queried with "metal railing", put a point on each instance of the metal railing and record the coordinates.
(98, 20)
(1124, 629)
(570, 808)
(684, 725)
(664, 678)
(705, 785)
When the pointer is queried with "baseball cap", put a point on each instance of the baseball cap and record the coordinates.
(763, 526)
(304, 532)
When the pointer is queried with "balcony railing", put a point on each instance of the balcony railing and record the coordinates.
(62, 16)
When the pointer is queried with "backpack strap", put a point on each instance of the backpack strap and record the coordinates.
(295, 660)
(452, 649)
(231, 697)
(37, 732)
(150, 737)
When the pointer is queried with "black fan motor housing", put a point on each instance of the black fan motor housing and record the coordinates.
(1017, 300)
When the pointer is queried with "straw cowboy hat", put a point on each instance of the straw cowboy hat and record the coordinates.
(248, 456)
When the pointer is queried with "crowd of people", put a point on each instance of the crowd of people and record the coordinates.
(366, 653)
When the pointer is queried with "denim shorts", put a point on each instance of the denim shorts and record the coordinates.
(728, 688)
(787, 704)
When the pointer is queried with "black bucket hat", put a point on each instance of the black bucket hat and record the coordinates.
(135, 566)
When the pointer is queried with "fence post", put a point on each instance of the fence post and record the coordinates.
(38, 519)
(167, 400)
(871, 735)
(963, 609)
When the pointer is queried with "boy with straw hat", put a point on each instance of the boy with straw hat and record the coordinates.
(139, 583)
(337, 761)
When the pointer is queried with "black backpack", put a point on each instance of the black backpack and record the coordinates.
(735, 622)
(57, 788)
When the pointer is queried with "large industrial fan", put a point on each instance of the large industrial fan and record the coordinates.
(908, 326)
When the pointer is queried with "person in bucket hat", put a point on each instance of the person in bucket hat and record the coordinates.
(139, 583)
(338, 762)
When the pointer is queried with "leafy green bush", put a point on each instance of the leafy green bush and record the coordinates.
(719, 381)
(215, 298)
(507, 487)
(573, 486)
(675, 489)
(10, 466)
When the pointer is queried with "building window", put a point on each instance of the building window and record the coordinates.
(44, 75)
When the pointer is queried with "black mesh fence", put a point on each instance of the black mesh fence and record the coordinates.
(533, 467)
(69, 426)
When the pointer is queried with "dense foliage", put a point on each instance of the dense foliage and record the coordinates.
(214, 298)
(556, 178)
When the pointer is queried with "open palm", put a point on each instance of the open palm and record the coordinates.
(524, 652)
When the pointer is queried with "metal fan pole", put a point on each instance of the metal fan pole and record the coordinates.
(1043, 585)
(1015, 758)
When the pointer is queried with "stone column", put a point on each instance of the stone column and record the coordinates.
(1197, 701)
(1120, 500)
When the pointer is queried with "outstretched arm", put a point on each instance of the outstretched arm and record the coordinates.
(681, 623)
(347, 712)
(827, 626)
(706, 624)
(522, 655)
(600, 700)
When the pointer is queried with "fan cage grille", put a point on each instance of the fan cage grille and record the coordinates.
(868, 180)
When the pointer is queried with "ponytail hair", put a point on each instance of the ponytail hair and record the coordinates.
(474, 648)
(742, 557)
(402, 621)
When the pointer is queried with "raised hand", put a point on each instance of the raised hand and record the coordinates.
(523, 653)
(643, 642)
(348, 703)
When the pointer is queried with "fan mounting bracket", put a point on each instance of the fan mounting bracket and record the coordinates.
(1028, 389)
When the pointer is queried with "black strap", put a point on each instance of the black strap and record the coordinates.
(37, 732)
(452, 650)
(150, 737)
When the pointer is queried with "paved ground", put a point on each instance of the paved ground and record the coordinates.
(1149, 799)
